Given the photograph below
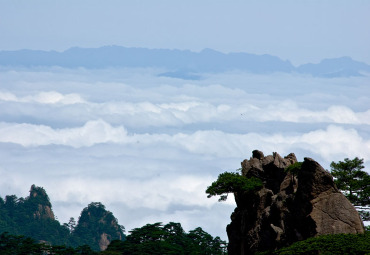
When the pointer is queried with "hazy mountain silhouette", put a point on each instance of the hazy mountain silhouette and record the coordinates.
(182, 64)
(335, 67)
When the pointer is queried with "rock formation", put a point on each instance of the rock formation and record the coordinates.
(291, 206)
(39, 198)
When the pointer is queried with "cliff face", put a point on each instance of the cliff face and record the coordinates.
(291, 206)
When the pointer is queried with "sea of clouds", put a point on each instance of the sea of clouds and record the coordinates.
(147, 147)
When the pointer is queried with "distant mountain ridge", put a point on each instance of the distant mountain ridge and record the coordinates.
(335, 67)
(183, 64)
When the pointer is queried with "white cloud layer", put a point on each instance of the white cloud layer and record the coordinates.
(178, 113)
(147, 147)
(93, 132)
(49, 97)
(326, 142)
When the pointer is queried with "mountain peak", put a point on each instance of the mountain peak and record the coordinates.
(96, 219)
(41, 203)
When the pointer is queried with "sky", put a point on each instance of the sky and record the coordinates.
(300, 31)
(148, 146)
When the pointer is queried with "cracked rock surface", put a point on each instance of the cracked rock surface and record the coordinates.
(289, 207)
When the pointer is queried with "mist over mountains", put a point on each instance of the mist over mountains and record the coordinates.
(182, 64)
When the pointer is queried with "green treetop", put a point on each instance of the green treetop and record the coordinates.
(232, 182)
(352, 180)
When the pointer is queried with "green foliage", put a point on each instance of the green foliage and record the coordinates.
(31, 217)
(167, 239)
(71, 225)
(329, 245)
(21, 245)
(352, 180)
(232, 182)
(204, 243)
(85, 250)
(38, 196)
(116, 247)
(94, 221)
(13, 245)
(294, 168)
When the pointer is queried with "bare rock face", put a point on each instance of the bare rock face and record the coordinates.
(289, 207)
(104, 241)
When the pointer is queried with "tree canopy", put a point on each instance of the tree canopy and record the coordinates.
(230, 182)
(21, 245)
(167, 239)
(352, 180)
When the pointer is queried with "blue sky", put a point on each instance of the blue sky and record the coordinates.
(301, 31)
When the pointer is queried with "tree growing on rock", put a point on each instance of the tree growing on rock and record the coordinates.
(230, 183)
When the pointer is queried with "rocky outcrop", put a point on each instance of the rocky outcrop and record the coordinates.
(41, 203)
(291, 205)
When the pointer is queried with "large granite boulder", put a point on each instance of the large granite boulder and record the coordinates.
(291, 205)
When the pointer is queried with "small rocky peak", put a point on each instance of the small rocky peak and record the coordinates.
(291, 158)
(96, 217)
(40, 202)
(270, 169)
(39, 193)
